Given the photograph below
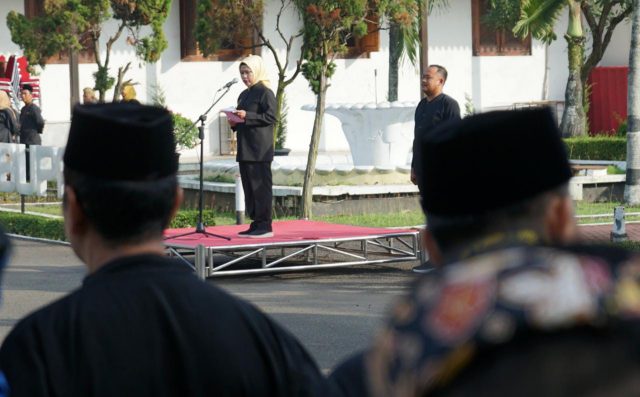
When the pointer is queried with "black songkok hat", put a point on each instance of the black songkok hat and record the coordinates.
(121, 141)
(490, 161)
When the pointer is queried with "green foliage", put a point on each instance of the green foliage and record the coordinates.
(597, 148)
(405, 16)
(212, 30)
(53, 228)
(103, 81)
(41, 38)
(33, 225)
(137, 13)
(615, 170)
(65, 24)
(538, 18)
(502, 14)
(189, 218)
(74, 24)
(185, 131)
(622, 125)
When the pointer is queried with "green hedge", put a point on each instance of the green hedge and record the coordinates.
(53, 228)
(32, 225)
(188, 218)
(597, 148)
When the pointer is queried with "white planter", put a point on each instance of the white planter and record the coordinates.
(378, 134)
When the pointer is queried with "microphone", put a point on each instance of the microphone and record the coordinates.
(229, 84)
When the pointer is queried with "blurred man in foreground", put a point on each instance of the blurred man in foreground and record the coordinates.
(511, 309)
(142, 324)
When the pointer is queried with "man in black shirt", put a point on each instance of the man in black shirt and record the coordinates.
(435, 108)
(31, 121)
(31, 124)
(142, 324)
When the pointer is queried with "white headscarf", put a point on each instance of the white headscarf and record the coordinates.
(255, 63)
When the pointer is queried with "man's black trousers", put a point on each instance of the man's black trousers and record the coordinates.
(257, 184)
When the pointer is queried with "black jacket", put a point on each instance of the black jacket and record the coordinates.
(9, 126)
(431, 113)
(147, 326)
(255, 135)
(31, 125)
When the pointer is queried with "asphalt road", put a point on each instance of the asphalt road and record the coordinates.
(333, 312)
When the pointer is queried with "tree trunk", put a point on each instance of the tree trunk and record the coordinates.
(279, 101)
(424, 42)
(307, 189)
(632, 186)
(573, 118)
(395, 51)
(545, 79)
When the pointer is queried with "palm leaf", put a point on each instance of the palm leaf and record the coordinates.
(538, 18)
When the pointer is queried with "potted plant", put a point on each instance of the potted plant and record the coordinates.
(185, 131)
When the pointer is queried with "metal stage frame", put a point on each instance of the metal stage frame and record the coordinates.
(211, 261)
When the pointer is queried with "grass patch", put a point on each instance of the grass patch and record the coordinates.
(399, 219)
(38, 226)
(220, 179)
(615, 170)
(48, 209)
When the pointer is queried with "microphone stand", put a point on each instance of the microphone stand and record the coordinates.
(200, 228)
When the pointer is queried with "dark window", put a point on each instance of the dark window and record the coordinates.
(189, 47)
(362, 46)
(34, 8)
(489, 41)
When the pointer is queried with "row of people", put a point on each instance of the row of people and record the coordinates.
(27, 126)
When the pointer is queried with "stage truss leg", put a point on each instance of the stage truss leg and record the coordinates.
(305, 255)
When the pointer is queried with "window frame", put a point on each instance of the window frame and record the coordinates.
(497, 48)
(362, 47)
(189, 51)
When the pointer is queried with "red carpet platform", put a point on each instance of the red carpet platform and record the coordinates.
(296, 245)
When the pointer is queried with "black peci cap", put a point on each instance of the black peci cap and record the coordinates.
(121, 141)
(490, 161)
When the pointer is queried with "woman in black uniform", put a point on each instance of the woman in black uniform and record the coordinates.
(257, 110)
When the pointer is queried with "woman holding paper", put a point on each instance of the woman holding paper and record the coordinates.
(256, 115)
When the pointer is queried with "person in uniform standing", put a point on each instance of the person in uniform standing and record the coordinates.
(31, 124)
(257, 110)
(31, 121)
(142, 324)
(435, 108)
(516, 306)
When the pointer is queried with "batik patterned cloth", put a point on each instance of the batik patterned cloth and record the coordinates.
(488, 299)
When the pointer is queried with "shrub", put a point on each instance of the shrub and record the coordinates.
(33, 225)
(186, 132)
(597, 148)
(188, 218)
(53, 228)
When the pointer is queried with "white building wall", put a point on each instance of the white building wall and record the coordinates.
(190, 86)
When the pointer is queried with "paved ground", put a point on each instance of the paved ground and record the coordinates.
(333, 312)
(602, 232)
